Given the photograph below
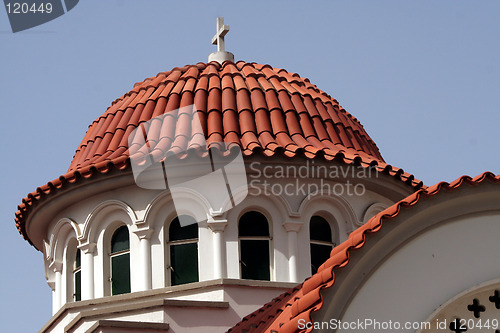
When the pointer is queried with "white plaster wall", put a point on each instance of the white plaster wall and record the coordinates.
(205, 252)
(96, 213)
(159, 215)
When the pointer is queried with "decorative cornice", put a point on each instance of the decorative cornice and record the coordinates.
(56, 266)
(292, 226)
(217, 225)
(88, 247)
(144, 233)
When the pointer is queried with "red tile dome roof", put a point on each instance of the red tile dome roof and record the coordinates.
(261, 109)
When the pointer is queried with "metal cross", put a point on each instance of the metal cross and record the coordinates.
(222, 30)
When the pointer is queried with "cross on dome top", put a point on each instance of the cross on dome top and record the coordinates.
(221, 55)
(222, 30)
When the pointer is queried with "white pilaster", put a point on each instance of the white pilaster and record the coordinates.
(57, 301)
(145, 253)
(292, 229)
(88, 251)
(217, 227)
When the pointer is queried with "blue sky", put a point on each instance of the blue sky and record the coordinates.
(422, 77)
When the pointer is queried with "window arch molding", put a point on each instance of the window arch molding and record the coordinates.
(187, 202)
(372, 210)
(251, 242)
(158, 215)
(266, 213)
(330, 218)
(271, 207)
(276, 213)
(99, 229)
(104, 259)
(244, 192)
(59, 237)
(322, 243)
(102, 215)
(332, 208)
(336, 210)
(256, 197)
(62, 236)
(162, 210)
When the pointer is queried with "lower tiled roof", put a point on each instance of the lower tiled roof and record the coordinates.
(283, 313)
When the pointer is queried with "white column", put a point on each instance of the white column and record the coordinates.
(145, 255)
(146, 263)
(54, 305)
(217, 227)
(58, 290)
(292, 256)
(292, 229)
(88, 270)
(57, 301)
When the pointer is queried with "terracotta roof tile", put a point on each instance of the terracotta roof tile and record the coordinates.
(283, 313)
(262, 109)
(258, 100)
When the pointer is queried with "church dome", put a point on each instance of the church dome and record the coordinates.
(263, 110)
(257, 107)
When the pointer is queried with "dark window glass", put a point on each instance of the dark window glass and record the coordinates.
(183, 250)
(78, 286)
(178, 232)
(184, 262)
(120, 272)
(120, 240)
(253, 230)
(78, 259)
(77, 277)
(253, 224)
(320, 229)
(319, 254)
(321, 241)
(120, 262)
(255, 259)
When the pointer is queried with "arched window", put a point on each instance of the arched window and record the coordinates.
(77, 276)
(253, 232)
(120, 261)
(183, 244)
(321, 241)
